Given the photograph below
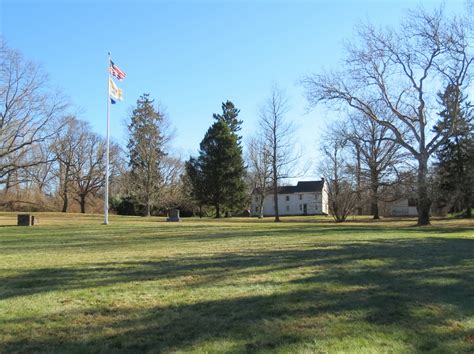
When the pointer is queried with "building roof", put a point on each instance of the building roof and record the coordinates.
(301, 187)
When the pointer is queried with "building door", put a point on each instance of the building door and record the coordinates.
(305, 209)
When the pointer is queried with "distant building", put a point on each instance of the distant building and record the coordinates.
(306, 198)
(402, 207)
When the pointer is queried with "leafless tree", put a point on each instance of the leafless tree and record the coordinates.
(88, 167)
(259, 167)
(42, 175)
(402, 70)
(28, 112)
(278, 135)
(80, 155)
(170, 191)
(378, 157)
(65, 146)
(342, 194)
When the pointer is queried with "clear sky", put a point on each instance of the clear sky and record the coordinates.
(192, 55)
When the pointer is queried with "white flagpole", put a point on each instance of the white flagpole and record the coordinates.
(106, 194)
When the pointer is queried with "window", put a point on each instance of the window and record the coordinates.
(301, 196)
(287, 198)
(287, 208)
(301, 207)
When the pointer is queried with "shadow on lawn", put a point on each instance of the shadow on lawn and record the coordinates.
(405, 285)
(93, 239)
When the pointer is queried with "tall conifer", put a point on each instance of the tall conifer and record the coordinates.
(145, 147)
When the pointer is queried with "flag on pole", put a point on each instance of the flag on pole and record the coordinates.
(116, 94)
(115, 71)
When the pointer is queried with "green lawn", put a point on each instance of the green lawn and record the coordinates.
(238, 285)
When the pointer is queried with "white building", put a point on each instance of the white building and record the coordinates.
(306, 198)
(403, 207)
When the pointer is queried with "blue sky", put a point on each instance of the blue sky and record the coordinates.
(192, 55)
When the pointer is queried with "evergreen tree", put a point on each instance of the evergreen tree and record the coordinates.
(195, 177)
(456, 156)
(218, 173)
(230, 117)
(145, 146)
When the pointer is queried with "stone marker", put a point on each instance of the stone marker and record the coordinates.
(173, 215)
(24, 220)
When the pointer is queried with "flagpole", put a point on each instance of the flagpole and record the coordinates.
(106, 194)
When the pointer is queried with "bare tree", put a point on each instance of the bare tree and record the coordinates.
(28, 112)
(88, 166)
(80, 168)
(42, 175)
(377, 155)
(65, 146)
(260, 167)
(277, 134)
(402, 71)
(342, 193)
(170, 191)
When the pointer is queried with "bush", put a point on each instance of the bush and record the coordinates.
(126, 205)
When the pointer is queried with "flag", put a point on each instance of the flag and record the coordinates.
(115, 93)
(115, 71)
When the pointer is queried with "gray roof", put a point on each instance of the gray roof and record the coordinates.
(301, 187)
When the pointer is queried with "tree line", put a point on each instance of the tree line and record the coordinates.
(405, 130)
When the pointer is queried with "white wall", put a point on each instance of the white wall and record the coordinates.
(316, 203)
(401, 208)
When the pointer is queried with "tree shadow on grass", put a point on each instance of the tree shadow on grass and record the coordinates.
(420, 289)
(92, 239)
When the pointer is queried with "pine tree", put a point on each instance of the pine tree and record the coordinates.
(198, 188)
(456, 157)
(218, 173)
(145, 146)
(230, 117)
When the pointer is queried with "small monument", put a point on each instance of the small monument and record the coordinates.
(173, 215)
(26, 220)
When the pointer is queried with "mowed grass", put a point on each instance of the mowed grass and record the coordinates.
(238, 285)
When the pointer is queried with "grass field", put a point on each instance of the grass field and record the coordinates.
(238, 285)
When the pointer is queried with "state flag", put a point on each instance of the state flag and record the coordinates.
(116, 94)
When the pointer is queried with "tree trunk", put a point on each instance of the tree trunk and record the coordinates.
(262, 198)
(275, 201)
(275, 175)
(374, 206)
(65, 190)
(148, 207)
(82, 201)
(65, 202)
(468, 202)
(275, 189)
(359, 184)
(424, 202)
(218, 211)
(375, 209)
